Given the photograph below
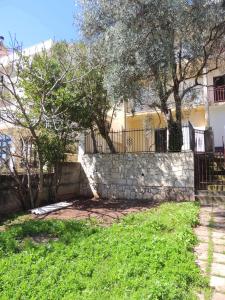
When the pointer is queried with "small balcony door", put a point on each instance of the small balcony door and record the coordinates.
(219, 88)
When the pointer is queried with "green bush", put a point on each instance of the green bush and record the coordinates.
(146, 256)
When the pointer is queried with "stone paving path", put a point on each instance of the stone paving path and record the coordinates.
(211, 248)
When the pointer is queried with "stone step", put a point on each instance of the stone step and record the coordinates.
(218, 269)
(217, 187)
(219, 249)
(218, 258)
(218, 283)
(210, 193)
(220, 177)
(218, 296)
(206, 197)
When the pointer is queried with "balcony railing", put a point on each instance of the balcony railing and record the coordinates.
(150, 140)
(216, 94)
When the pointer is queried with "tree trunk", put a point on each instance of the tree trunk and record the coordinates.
(175, 136)
(40, 184)
(105, 134)
(175, 127)
(56, 181)
(29, 185)
(109, 143)
(175, 130)
(95, 148)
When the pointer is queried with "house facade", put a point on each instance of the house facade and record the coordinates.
(206, 110)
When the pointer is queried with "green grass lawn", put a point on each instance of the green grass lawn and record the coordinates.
(146, 256)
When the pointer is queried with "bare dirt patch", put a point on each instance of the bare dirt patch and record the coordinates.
(42, 238)
(105, 211)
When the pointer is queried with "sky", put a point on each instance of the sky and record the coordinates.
(34, 21)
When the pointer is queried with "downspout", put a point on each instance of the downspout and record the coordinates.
(205, 98)
(125, 114)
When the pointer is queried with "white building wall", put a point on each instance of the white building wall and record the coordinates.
(217, 122)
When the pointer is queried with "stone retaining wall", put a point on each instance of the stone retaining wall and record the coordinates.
(155, 176)
(148, 176)
(68, 189)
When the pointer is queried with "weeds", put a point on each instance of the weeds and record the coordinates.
(147, 255)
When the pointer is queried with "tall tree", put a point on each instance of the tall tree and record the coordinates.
(34, 97)
(91, 107)
(164, 47)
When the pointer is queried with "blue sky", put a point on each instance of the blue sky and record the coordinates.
(33, 21)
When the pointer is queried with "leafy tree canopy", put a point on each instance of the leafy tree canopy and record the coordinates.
(154, 47)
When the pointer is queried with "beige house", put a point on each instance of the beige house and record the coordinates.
(207, 110)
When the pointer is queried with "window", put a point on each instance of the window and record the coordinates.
(219, 88)
(5, 142)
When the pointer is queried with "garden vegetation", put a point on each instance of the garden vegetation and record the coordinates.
(147, 255)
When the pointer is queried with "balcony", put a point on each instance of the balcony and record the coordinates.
(216, 94)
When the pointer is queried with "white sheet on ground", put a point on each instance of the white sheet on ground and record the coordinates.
(50, 208)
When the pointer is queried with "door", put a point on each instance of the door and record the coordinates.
(161, 140)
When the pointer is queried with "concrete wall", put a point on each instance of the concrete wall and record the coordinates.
(8, 197)
(70, 181)
(155, 176)
(69, 188)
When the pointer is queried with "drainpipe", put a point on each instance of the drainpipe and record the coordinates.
(125, 114)
(205, 98)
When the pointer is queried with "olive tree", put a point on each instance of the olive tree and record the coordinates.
(162, 47)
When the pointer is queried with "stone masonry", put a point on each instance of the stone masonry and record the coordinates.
(150, 176)
(210, 251)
